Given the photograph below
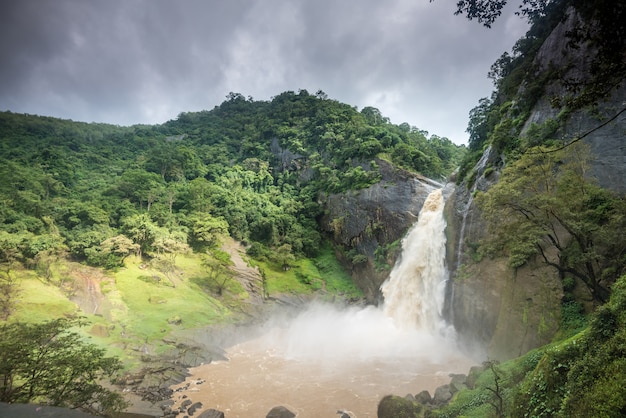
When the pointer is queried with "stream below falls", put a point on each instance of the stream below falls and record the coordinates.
(323, 360)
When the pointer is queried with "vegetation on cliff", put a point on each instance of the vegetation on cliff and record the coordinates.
(596, 41)
(543, 204)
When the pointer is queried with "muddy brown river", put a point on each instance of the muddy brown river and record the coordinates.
(324, 360)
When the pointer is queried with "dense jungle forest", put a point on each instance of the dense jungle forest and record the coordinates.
(252, 169)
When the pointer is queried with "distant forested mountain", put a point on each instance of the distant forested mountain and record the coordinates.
(251, 169)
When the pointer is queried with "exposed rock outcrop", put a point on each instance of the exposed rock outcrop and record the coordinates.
(605, 140)
(367, 222)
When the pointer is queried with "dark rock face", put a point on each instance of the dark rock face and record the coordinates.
(605, 141)
(280, 412)
(368, 220)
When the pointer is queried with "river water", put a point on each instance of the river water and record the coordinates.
(327, 358)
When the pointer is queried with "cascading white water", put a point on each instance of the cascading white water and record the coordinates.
(415, 290)
(328, 358)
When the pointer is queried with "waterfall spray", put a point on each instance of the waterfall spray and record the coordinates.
(415, 290)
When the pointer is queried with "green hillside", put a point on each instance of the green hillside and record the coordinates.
(137, 228)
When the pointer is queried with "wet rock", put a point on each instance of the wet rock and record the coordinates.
(472, 376)
(211, 413)
(442, 395)
(280, 412)
(395, 406)
(458, 382)
(423, 397)
(193, 408)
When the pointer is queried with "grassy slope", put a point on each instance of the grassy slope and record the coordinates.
(323, 273)
(142, 305)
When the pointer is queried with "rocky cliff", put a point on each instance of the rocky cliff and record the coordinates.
(368, 224)
(503, 311)
(498, 312)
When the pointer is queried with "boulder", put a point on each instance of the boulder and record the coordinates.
(394, 406)
(442, 395)
(280, 412)
(423, 397)
(193, 408)
(458, 382)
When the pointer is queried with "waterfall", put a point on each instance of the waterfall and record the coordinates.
(415, 290)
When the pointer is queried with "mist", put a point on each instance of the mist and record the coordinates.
(328, 334)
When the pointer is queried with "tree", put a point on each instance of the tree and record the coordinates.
(487, 11)
(218, 272)
(170, 243)
(9, 255)
(49, 363)
(141, 230)
(113, 251)
(497, 402)
(206, 231)
(141, 186)
(284, 257)
(546, 202)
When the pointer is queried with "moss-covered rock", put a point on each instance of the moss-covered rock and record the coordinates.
(396, 407)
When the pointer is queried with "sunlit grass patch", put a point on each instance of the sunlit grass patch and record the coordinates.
(154, 310)
(305, 276)
(39, 302)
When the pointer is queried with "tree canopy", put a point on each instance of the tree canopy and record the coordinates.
(545, 202)
(255, 170)
(50, 363)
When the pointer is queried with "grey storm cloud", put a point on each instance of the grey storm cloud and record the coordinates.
(145, 61)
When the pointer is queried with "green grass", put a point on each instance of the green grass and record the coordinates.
(39, 302)
(306, 276)
(146, 302)
(153, 310)
(334, 274)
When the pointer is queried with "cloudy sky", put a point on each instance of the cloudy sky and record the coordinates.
(145, 61)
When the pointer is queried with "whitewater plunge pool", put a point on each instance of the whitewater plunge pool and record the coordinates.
(327, 359)
(324, 360)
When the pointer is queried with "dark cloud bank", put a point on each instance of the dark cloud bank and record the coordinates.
(145, 61)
